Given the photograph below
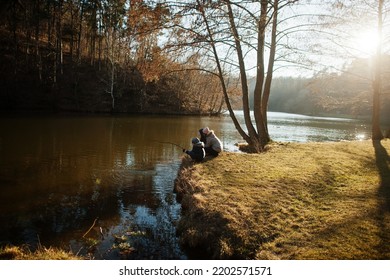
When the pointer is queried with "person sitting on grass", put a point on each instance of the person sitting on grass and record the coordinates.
(213, 145)
(197, 153)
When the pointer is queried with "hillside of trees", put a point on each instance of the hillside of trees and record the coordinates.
(107, 57)
(95, 56)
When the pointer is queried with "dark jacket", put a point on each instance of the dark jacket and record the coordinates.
(197, 153)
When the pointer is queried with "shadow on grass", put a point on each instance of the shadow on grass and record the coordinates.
(382, 160)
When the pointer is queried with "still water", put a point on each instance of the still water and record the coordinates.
(102, 186)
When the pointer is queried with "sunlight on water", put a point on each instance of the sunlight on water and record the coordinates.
(361, 137)
(287, 127)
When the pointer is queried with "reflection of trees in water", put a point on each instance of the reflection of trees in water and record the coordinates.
(67, 209)
(59, 174)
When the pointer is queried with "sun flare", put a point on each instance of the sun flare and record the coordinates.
(366, 43)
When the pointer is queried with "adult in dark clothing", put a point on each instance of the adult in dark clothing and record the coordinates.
(197, 153)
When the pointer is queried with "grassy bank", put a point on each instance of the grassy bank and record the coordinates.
(296, 201)
(24, 253)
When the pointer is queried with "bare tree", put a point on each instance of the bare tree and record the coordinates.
(233, 34)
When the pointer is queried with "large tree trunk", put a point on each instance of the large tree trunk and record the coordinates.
(377, 83)
(376, 106)
(267, 86)
(260, 74)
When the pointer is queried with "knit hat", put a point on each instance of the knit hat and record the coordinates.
(195, 140)
(206, 130)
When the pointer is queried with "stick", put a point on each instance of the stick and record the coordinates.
(172, 144)
(94, 222)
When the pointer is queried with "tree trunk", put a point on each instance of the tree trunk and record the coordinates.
(80, 31)
(260, 73)
(93, 34)
(267, 87)
(377, 83)
(220, 76)
(71, 33)
(112, 82)
(38, 58)
(59, 38)
(244, 82)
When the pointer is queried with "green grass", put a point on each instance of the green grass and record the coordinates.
(296, 201)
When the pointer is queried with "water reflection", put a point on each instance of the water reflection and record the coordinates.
(60, 174)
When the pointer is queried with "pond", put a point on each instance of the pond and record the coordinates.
(102, 186)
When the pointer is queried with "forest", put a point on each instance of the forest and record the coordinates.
(346, 94)
(118, 57)
(95, 56)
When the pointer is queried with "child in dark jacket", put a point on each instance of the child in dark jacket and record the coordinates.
(197, 153)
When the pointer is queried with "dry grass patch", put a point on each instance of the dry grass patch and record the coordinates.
(24, 253)
(296, 201)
